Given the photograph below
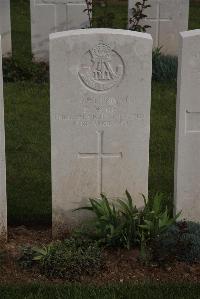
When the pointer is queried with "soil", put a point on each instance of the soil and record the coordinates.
(120, 265)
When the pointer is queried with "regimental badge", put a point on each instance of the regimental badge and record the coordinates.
(101, 68)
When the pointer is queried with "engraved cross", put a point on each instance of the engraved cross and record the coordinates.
(100, 155)
(158, 20)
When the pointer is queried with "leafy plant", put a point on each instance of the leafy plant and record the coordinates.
(155, 219)
(123, 224)
(68, 259)
(138, 15)
(130, 220)
(107, 223)
(41, 253)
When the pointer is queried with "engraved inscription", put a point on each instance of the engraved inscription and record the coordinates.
(101, 68)
(102, 111)
(100, 155)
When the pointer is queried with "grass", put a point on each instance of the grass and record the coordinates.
(120, 291)
(28, 153)
(162, 140)
(28, 128)
(21, 30)
(194, 22)
(118, 11)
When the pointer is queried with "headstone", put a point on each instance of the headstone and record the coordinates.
(49, 16)
(166, 18)
(5, 27)
(100, 118)
(3, 200)
(187, 162)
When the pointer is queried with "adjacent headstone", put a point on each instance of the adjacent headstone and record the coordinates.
(167, 18)
(49, 16)
(100, 118)
(5, 27)
(3, 200)
(187, 162)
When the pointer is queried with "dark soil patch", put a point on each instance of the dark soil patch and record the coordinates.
(120, 265)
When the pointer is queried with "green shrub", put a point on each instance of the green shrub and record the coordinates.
(164, 67)
(68, 259)
(180, 242)
(13, 71)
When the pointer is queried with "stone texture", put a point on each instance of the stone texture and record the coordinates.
(5, 27)
(3, 200)
(167, 18)
(187, 162)
(49, 16)
(100, 118)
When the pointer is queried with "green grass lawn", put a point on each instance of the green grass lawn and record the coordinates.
(194, 21)
(121, 291)
(21, 30)
(28, 129)
(28, 153)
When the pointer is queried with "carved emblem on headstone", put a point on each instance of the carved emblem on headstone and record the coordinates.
(101, 68)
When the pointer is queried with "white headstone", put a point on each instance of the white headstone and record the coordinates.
(166, 18)
(100, 118)
(3, 200)
(5, 27)
(187, 162)
(49, 16)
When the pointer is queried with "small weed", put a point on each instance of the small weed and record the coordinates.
(69, 259)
